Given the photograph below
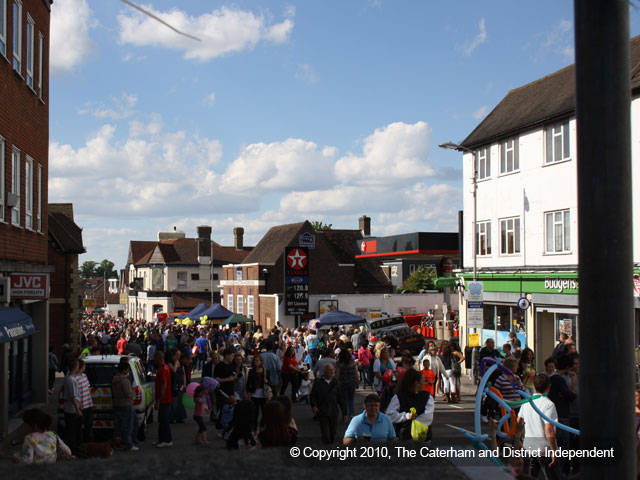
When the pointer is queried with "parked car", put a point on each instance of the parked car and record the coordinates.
(100, 370)
(404, 338)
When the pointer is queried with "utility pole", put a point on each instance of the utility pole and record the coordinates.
(605, 232)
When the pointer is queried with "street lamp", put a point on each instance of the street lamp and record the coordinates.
(461, 148)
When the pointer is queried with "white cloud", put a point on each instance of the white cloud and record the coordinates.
(130, 57)
(210, 99)
(559, 40)
(70, 41)
(478, 40)
(392, 154)
(293, 164)
(122, 107)
(306, 73)
(222, 31)
(481, 112)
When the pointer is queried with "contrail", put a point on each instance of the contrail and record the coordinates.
(140, 9)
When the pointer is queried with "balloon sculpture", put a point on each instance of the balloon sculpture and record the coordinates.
(508, 414)
(203, 320)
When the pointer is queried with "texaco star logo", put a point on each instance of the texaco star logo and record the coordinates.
(363, 247)
(297, 259)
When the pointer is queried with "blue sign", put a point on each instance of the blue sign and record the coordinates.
(475, 305)
(307, 240)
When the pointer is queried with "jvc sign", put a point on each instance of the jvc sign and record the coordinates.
(30, 285)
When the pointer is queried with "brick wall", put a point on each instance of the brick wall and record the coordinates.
(25, 125)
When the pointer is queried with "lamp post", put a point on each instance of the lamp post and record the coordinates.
(461, 148)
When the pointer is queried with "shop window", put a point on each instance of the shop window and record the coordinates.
(488, 317)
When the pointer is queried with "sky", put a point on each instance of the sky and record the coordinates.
(284, 111)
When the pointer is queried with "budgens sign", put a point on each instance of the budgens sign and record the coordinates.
(559, 285)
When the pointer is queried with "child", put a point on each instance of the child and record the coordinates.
(305, 388)
(41, 445)
(226, 416)
(202, 406)
(429, 377)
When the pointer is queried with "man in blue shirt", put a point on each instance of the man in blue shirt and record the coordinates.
(371, 425)
(203, 349)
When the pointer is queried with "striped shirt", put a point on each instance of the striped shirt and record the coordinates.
(84, 391)
(508, 388)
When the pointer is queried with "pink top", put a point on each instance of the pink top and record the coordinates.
(201, 405)
(364, 356)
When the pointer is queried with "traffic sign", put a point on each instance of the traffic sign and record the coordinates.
(523, 303)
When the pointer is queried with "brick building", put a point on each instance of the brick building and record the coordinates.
(24, 151)
(256, 286)
(65, 244)
(177, 273)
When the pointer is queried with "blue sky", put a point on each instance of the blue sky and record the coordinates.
(285, 111)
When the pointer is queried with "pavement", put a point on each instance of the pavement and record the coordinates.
(406, 459)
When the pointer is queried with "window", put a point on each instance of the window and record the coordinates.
(28, 193)
(510, 236)
(558, 147)
(40, 53)
(2, 143)
(15, 186)
(39, 215)
(483, 238)
(3, 27)
(239, 274)
(182, 280)
(195, 276)
(483, 157)
(250, 305)
(30, 46)
(240, 308)
(509, 156)
(17, 35)
(230, 302)
(558, 228)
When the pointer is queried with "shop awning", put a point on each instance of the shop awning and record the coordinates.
(15, 324)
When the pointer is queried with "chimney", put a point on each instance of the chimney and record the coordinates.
(238, 234)
(204, 244)
(364, 224)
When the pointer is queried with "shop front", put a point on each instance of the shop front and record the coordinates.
(538, 307)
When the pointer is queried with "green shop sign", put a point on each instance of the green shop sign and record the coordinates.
(558, 283)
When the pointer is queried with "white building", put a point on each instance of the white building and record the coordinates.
(176, 273)
(526, 230)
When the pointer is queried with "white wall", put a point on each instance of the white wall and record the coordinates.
(390, 303)
(547, 188)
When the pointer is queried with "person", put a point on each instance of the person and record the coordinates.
(121, 344)
(559, 348)
(365, 358)
(410, 394)
(66, 358)
(539, 434)
(516, 346)
(226, 414)
(163, 401)
(527, 370)
(122, 394)
(72, 407)
(271, 364)
(178, 385)
(41, 445)
(429, 377)
(324, 399)
(562, 396)
(436, 365)
(242, 435)
(549, 366)
(239, 384)
(275, 432)
(86, 402)
(224, 372)
(256, 387)
(202, 405)
(448, 359)
(509, 384)
(348, 379)
(305, 388)
(458, 359)
(53, 367)
(312, 347)
(203, 349)
(290, 373)
(328, 357)
(371, 425)
(380, 366)
(288, 413)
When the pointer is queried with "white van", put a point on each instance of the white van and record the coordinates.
(100, 370)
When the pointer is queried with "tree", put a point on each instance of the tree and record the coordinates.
(421, 279)
(88, 269)
(105, 269)
(318, 225)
